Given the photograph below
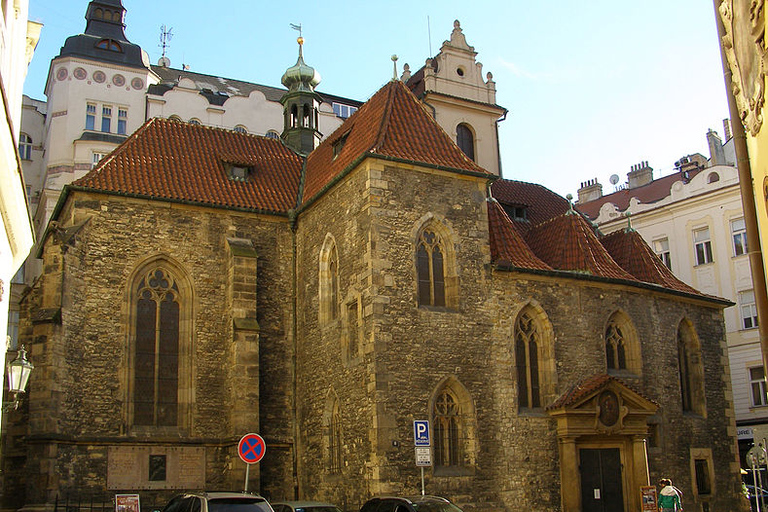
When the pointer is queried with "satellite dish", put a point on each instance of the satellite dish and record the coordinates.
(614, 179)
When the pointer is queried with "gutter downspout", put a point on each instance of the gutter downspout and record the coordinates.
(747, 196)
(294, 361)
(498, 144)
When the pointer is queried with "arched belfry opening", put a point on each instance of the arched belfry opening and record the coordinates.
(301, 106)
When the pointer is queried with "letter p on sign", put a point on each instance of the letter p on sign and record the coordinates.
(421, 433)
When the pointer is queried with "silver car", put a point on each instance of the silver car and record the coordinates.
(218, 502)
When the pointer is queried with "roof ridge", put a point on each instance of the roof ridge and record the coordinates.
(385, 119)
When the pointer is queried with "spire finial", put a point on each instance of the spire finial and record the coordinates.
(394, 65)
(629, 222)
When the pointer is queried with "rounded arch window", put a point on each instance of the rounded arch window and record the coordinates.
(241, 129)
(272, 134)
(713, 177)
(465, 139)
(174, 117)
(195, 121)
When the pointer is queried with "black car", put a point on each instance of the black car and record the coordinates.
(218, 502)
(409, 504)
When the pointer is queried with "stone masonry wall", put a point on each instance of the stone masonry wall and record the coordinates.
(374, 215)
(98, 262)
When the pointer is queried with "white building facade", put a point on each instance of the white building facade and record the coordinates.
(18, 39)
(694, 221)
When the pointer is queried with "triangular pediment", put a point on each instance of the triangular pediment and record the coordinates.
(601, 404)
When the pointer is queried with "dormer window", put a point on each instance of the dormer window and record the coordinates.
(109, 44)
(339, 145)
(239, 172)
(516, 211)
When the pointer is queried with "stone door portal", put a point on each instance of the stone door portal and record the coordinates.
(601, 489)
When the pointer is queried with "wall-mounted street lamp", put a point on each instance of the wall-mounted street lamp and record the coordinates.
(18, 375)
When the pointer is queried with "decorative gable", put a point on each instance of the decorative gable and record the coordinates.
(601, 404)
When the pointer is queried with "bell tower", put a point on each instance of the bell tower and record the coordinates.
(301, 106)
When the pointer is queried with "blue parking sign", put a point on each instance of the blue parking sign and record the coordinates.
(421, 433)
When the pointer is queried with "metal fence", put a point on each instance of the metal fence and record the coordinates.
(82, 502)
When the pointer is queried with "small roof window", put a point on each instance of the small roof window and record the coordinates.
(109, 44)
(238, 171)
(338, 145)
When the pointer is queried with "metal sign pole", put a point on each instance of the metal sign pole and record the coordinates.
(247, 471)
(422, 480)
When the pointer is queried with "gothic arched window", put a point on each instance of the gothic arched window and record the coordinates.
(334, 439)
(690, 368)
(465, 140)
(615, 347)
(156, 352)
(430, 269)
(527, 343)
(328, 286)
(622, 348)
(454, 427)
(446, 430)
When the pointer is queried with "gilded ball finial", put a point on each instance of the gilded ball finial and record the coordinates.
(300, 40)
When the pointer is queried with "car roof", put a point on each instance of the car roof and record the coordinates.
(304, 504)
(224, 495)
(412, 499)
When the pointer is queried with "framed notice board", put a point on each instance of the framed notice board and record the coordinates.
(648, 498)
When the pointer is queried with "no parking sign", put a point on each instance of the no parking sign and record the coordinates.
(251, 448)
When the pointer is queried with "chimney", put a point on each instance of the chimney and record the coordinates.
(727, 129)
(590, 190)
(716, 153)
(639, 175)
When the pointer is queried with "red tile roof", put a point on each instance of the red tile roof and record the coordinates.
(630, 251)
(541, 203)
(392, 125)
(182, 162)
(568, 242)
(647, 194)
(507, 246)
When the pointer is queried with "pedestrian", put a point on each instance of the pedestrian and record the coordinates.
(670, 499)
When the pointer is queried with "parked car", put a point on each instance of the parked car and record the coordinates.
(218, 502)
(304, 506)
(410, 504)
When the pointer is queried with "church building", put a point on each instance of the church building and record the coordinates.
(201, 283)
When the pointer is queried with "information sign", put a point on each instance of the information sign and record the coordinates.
(423, 456)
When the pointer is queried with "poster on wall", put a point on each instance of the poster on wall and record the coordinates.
(648, 498)
(127, 503)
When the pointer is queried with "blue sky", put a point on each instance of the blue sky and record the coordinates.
(592, 88)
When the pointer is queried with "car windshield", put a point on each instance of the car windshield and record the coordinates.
(435, 506)
(238, 505)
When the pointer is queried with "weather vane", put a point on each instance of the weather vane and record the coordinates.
(297, 27)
